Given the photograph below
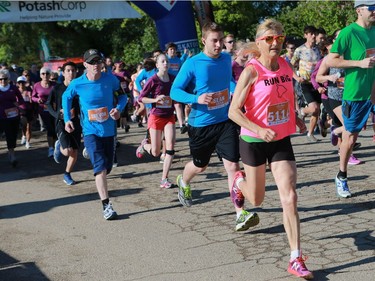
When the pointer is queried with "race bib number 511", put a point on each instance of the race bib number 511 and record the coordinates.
(278, 113)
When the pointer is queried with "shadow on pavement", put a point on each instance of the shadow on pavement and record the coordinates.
(14, 270)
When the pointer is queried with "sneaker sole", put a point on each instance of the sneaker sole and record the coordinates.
(251, 222)
(183, 201)
(112, 217)
(73, 183)
(307, 277)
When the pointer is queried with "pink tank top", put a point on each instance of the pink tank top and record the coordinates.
(270, 102)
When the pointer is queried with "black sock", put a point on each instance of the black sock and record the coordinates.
(67, 173)
(342, 175)
(105, 202)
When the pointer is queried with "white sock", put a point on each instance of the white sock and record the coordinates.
(295, 254)
(239, 213)
(182, 183)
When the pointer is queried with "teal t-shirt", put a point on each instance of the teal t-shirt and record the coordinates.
(356, 43)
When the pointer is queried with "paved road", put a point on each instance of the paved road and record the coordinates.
(50, 231)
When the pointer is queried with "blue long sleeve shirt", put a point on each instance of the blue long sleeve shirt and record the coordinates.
(96, 99)
(202, 75)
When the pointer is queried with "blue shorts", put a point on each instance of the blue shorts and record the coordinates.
(355, 114)
(101, 151)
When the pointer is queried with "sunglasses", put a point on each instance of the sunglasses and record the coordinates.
(230, 42)
(292, 48)
(270, 38)
(3, 79)
(369, 8)
(94, 62)
(45, 73)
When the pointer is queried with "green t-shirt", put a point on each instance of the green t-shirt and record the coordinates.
(356, 43)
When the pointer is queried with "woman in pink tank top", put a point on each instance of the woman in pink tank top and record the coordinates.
(263, 105)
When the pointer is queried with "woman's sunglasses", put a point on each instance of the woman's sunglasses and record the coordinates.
(270, 38)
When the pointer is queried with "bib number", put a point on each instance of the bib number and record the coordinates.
(278, 113)
(98, 115)
(219, 100)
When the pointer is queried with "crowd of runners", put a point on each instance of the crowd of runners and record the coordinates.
(242, 100)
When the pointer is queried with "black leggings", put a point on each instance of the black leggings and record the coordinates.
(10, 127)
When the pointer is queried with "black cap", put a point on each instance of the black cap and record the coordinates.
(91, 54)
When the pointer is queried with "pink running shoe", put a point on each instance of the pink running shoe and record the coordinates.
(298, 268)
(236, 193)
(353, 160)
(166, 183)
(140, 150)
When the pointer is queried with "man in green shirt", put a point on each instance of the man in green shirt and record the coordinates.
(354, 50)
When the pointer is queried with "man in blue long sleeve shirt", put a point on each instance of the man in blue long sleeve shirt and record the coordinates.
(208, 75)
(95, 90)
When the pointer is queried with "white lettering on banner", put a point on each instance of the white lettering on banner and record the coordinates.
(44, 11)
(51, 6)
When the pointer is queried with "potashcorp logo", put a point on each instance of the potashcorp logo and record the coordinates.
(4, 6)
(51, 6)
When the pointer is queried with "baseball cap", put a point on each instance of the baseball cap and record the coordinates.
(91, 54)
(363, 3)
(21, 79)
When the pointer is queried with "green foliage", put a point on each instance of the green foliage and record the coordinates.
(330, 15)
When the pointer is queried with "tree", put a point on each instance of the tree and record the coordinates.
(331, 15)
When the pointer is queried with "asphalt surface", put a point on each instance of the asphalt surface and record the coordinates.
(51, 231)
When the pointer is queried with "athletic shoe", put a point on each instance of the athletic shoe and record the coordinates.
(140, 150)
(108, 212)
(323, 129)
(184, 193)
(68, 179)
(57, 155)
(133, 118)
(311, 138)
(246, 220)
(85, 154)
(23, 140)
(50, 152)
(342, 188)
(334, 137)
(236, 193)
(183, 129)
(27, 145)
(353, 160)
(127, 127)
(166, 183)
(298, 268)
(356, 145)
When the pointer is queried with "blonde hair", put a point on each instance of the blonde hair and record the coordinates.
(269, 24)
(251, 49)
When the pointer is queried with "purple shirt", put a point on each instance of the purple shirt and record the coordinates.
(39, 92)
(155, 87)
(236, 70)
(7, 102)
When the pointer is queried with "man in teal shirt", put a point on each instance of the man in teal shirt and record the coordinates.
(354, 50)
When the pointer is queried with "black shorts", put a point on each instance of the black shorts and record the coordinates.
(310, 94)
(222, 137)
(333, 104)
(69, 140)
(258, 153)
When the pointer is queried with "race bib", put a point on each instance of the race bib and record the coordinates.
(11, 112)
(340, 82)
(219, 100)
(167, 103)
(278, 113)
(98, 114)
